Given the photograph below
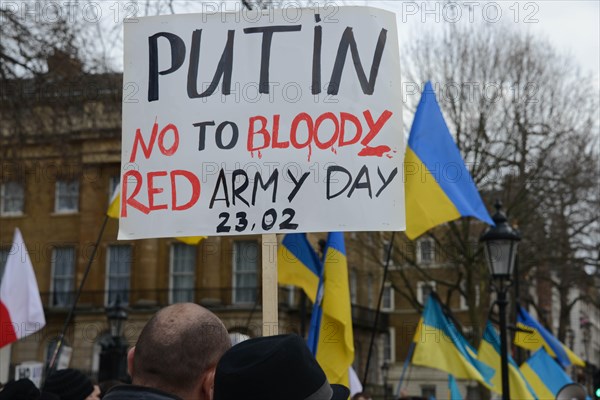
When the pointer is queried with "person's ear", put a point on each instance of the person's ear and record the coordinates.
(207, 384)
(130, 361)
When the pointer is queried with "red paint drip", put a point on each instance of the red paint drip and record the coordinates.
(378, 151)
(309, 152)
(259, 154)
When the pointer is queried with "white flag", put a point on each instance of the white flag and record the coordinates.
(21, 311)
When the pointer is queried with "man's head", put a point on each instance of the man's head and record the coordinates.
(177, 351)
(273, 368)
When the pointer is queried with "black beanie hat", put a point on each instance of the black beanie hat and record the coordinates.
(69, 384)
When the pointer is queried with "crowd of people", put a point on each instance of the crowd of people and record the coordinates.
(184, 352)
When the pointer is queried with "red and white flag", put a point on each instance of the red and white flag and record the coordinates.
(21, 311)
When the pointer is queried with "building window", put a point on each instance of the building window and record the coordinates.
(428, 391)
(425, 251)
(118, 274)
(63, 276)
(463, 300)
(353, 287)
(370, 291)
(384, 254)
(67, 196)
(12, 198)
(183, 273)
(424, 289)
(387, 301)
(473, 393)
(389, 345)
(245, 271)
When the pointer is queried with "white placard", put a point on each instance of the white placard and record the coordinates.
(31, 370)
(274, 121)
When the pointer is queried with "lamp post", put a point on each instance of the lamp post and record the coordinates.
(113, 358)
(385, 369)
(500, 246)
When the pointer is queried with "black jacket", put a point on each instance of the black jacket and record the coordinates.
(134, 392)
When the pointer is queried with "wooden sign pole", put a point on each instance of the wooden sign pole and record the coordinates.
(269, 285)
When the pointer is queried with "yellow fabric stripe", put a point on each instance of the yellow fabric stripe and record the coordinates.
(426, 203)
(531, 340)
(541, 391)
(335, 352)
(573, 357)
(114, 208)
(433, 349)
(518, 388)
(191, 240)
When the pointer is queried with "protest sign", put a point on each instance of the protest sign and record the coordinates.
(277, 121)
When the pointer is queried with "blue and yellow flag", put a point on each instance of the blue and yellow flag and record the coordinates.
(438, 186)
(333, 333)
(440, 345)
(114, 211)
(533, 335)
(326, 284)
(453, 388)
(298, 264)
(489, 353)
(544, 375)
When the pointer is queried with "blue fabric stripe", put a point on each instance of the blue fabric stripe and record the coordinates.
(491, 336)
(453, 386)
(548, 370)
(336, 240)
(434, 316)
(556, 346)
(298, 245)
(431, 141)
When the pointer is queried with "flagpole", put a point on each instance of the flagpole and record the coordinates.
(269, 285)
(61, 338)
(378, 311)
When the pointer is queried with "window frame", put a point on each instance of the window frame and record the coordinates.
(107, 291)
(235, 296)
(387, 286)
(173, 274)
(4, 196)
(419, 254)
(390, 345)
(53, 277)
(60, 183)
(420, 285)
(463, 300)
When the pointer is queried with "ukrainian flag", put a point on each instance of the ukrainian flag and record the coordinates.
(439, 345)
(489, 353)
(298, 264)
(333, 333)
(544, 375)
(114, 211)
(534, 335)
(438, 186)
(330, 336)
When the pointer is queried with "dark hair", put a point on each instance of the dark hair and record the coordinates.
(177, 346)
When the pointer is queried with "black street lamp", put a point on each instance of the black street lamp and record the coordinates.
(385, 368)
(500, 245)
(113, 358)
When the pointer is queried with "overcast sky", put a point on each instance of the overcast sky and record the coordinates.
(573, 26)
